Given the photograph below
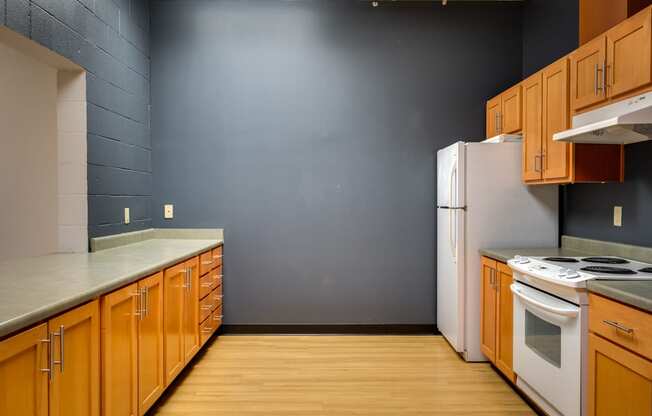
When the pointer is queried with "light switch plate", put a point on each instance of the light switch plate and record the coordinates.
(127, 216)
(168, 211)
(618, 216)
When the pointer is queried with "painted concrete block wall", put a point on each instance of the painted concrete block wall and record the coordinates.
(110, 39)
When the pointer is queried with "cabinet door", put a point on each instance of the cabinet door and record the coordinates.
(629, 46)
(488, 309)
(151, 380)
(510, 115)
(586, 65)
(532, 128)
(504, 322)
(620, 382)
(191, 312)
(175, 280)
(23, 384)
(556, 155)
(493, 114)
(120, 314)
(75, 387)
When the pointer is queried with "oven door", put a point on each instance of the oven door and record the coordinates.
(547, 348)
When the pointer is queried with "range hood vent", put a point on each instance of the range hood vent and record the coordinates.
(625, 122)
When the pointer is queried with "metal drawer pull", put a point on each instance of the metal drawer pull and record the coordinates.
(139, 303)
(595, 81)
(146, 302)
(604, 78)
(207, 307)
(218, 317)
(49, 340)
(218, 256)
(218, 297)
(619, 327)
(207, 330)
(206, 284)
(206, 263)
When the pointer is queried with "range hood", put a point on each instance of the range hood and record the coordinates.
(624, 122)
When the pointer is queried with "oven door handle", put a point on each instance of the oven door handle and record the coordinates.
(534, 302)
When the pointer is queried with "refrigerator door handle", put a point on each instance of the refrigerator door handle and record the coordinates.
(452, 215)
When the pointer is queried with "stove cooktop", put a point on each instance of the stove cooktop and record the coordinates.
(575, 271)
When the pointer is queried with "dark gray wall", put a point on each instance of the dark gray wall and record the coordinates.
(307, 130)
(550, 31)
(111, 41)
(589, 208)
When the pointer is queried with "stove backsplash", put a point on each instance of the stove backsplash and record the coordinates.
(588, 208)
(605, 248)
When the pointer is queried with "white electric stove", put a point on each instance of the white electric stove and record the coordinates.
(551, 324)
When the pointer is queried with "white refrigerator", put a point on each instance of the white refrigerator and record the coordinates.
(482, 203)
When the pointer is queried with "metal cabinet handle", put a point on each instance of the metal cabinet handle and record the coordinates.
(537, 162)
(207, 307)
(189, 279)
(218, 317)
(218, 256)
(206, 284)
(604, 78)
(619, 326)
(207, 330)
(206, 263)
(61, 336)
(50, 341)
(596, 88)
(146, 301)
(543, 163)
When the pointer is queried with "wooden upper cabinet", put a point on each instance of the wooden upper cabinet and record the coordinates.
(532, 128)
(504, 112)
(488, 309)
(75, 387)
(191, 311)
(556, 156)
(504, 321)
(510, 116)
(174, 292)
(23, 384)
(493, 114)
(151, 370)
(620, 382)
(587, 66)
(598, 16)
(629, 49)
(120, 314)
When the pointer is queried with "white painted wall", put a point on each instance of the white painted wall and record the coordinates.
(43, 201)
(28, 156)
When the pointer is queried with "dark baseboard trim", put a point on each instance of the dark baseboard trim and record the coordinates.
(311, 329)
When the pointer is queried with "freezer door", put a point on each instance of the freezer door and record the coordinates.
(450, 176)
(451, 276)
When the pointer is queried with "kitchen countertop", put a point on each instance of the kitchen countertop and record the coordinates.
(505, 254)
(634, 293)
(36, 288)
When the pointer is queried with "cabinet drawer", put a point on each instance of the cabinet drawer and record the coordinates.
(205, 263)
(206, 307)
(217, 276)
(206, 284)
(621, 324)
(217, 256)
(217, 296)
(206, 329)
(217, 318)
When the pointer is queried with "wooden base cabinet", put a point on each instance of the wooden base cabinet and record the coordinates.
(620, 359)
(23, 383)
(53, 368)
(181, 316)
(120, 314)
(496, 333)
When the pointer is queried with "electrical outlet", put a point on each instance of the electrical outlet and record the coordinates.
(618, 216)
(168, 211)
(127, 216)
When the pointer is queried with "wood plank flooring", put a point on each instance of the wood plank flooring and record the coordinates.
(338, 375)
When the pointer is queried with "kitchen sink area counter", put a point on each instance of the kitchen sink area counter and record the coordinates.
(35, 288)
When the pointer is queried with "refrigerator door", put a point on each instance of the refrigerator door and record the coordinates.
(450, 176)
(451, 276)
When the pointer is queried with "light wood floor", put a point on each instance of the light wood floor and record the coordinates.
(338, 375)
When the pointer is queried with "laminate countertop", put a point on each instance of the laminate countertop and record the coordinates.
(633, 293)
(505, 254)
(36, 288)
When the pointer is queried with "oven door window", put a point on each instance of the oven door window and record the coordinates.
(543, 338)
